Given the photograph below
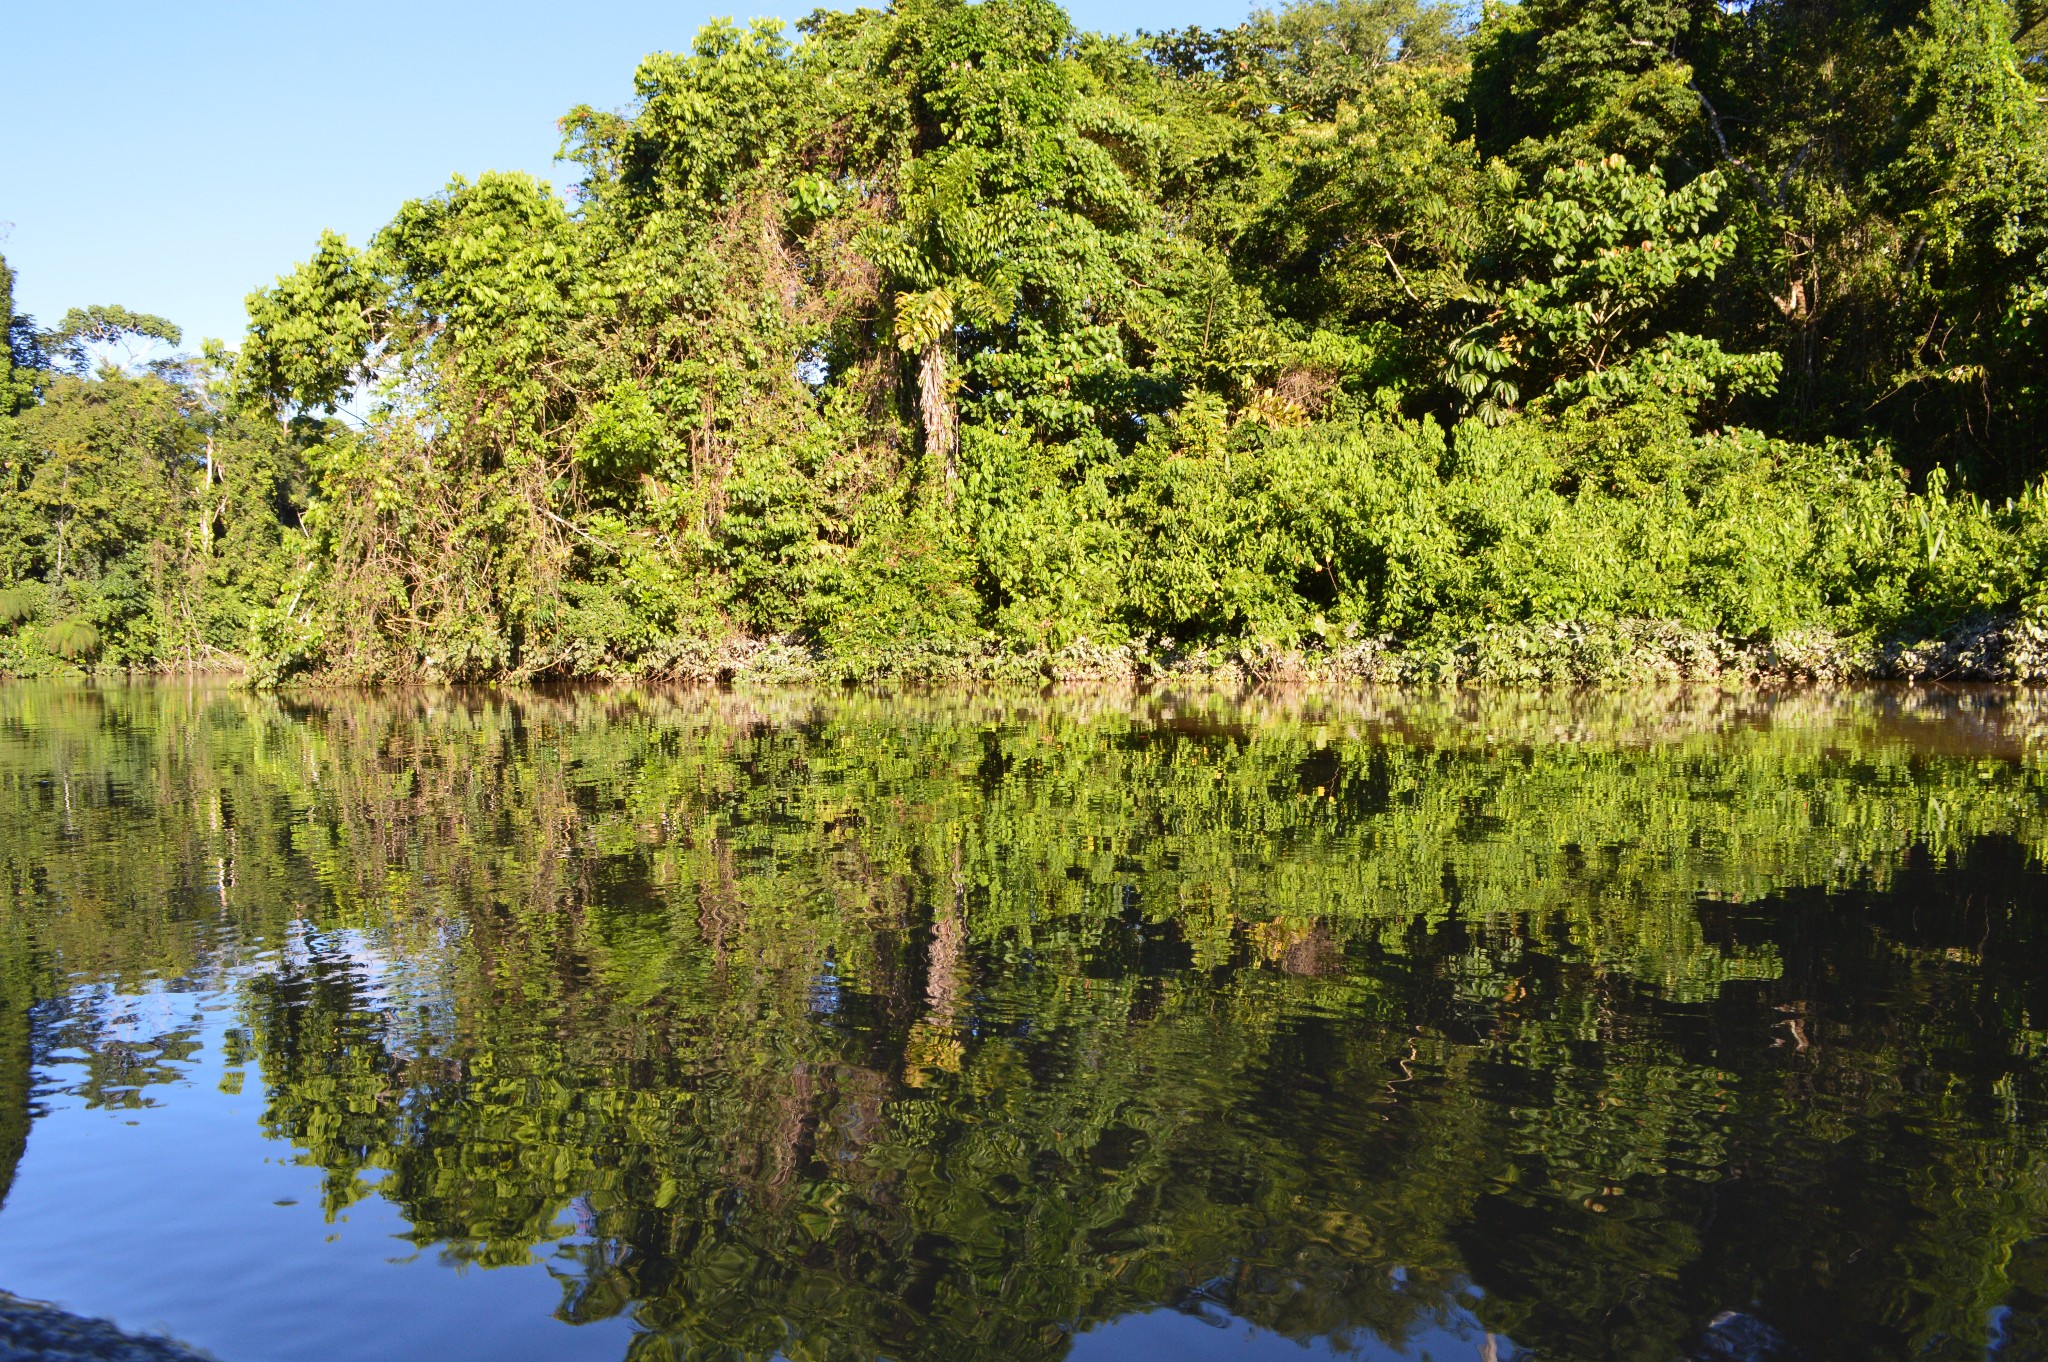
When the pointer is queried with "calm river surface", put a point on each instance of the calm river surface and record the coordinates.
(959, 1027)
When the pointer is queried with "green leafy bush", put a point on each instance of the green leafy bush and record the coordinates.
(281, 646)
(18, 605)
(74, 640)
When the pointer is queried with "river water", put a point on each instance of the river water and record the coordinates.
(1686, 1025)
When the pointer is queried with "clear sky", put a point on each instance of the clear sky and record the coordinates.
(172, 157)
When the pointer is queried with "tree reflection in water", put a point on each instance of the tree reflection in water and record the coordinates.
(973, 1026)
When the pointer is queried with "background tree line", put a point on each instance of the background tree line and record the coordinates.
(947, 324)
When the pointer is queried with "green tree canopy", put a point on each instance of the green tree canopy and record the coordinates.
(947, 331)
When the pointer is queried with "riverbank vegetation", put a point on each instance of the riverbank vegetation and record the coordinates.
(949, 337)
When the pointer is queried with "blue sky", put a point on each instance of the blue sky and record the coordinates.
(172, 157)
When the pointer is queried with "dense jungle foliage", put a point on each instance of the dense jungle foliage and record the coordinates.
(945, 1029)
(949, 326)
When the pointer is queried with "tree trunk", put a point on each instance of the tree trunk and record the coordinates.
(941, 431)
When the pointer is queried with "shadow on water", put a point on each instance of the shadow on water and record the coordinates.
(1682, 1026)
(30, 1329)
(14, 1079)
(33, 1332)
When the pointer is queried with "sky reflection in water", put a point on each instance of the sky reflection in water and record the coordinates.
(702, 1025)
